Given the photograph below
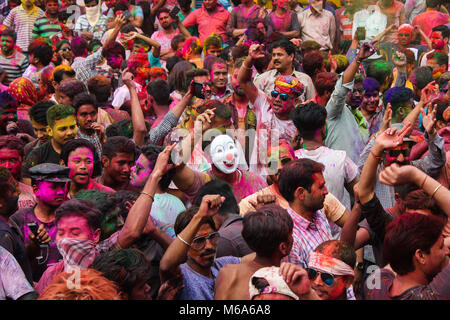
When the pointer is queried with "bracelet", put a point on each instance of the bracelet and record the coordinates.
(358, 61)
(376, 157)
(435, 190)
(181, 239)
(423, 183)
(243, 64)
(149, 195)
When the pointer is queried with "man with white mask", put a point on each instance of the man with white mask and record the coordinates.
(225, 157)
(91, 25)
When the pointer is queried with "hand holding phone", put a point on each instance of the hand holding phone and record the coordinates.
(361, 33)
(174, 12)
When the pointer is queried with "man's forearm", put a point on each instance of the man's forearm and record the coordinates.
(368, 176)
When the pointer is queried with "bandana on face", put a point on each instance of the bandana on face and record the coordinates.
(93, 14)
(329, 264)
(77, 252)
(224, 154)
(317, 5)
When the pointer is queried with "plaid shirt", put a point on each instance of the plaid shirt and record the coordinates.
(98, 30)
(239, 21)
(86, 68)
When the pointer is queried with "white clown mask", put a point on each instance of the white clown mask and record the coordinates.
(224, 154)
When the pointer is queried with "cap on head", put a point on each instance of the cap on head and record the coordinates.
(292, 84)
(50, 172)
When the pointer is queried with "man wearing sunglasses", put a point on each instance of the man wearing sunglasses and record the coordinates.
(272, 112)
(193, 252)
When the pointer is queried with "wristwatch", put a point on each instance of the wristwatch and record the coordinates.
(360, 266)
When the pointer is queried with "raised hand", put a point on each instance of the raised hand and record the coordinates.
(296, 278)
(387, 118)
(127, 78)
(399, 60)
(205, 120)
(429, 121)
(162, 164)
(262, 200)
(391, 138)
(256, 51)
(210, 205)
(367, 49)
(395, 175)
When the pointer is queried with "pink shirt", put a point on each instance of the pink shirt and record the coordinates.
(430, 19)
(209, 23)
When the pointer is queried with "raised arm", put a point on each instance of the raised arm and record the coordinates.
(176, 254)
(155, 45)
(245, 72)
(139, 212)
(137, 116)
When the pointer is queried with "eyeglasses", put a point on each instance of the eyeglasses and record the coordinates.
(327, 278)
(283, 96)
(396, 153)
(200, 242)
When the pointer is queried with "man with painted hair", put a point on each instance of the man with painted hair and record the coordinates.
(272, 114)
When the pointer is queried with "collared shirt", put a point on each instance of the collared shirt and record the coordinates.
(94, 139)
(228, 92)
(13, 283)
(424, 60)
(372, 19)
(288, 22)
(98, 30)
(215, 22)
(238, 20)
(22, 22)
(320, 27)
(307, 236)
(266, 82)
(86, 68)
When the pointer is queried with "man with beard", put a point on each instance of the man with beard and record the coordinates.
(86, 112)
(49, 184)
(165, 36)
(439, 41)
(283, 53)
(118, 156)
(243, 116)
(272, 114)
(430, 18)
(38, 117)
(12, 61)
(194, 249)
(61, 128)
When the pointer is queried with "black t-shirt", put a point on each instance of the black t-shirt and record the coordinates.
(42, 154)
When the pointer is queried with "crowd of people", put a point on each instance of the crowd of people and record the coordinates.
(217, 150)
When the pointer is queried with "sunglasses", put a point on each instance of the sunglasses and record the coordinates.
(200, 242)
(283, 96)
(327, 278)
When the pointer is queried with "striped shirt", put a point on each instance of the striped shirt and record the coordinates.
(22, 22)
(14, 66)
(44, 28)
(98, 30)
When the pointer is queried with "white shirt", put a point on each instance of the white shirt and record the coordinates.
(122, 95)
(372, 19)
(423, 62)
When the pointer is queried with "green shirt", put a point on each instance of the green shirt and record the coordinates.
(44, 28)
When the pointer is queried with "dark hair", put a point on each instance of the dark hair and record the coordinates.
(59, 74)
(10, 33)
(120, 6)
(12, 142)
(58, 112)
(96, 42)
(405, 235)
(284, 44)
(397, 97)
(312, 63)
(42, 51)
(439, 57)
(176, 40)
(213, 61)
(72, 87)
(440, 108)
(222, 188)
(191, 74)
(443, 29)
(74, 144)
(239, 52)
(38, 112)
(128, 28)
(325, 81)
(159, 90)
(126, 267)
(308, 119)
(262, 63)
(172, 62)
(79, 46)
(100, 86)
(339, 250)
(185, 217)
(297, 173)
(83, 208)
(113, 49)
(84, 98)
(151, 152)
(421, 76)
(266, 228)
(177, 77)
(162, 10)
(122, 196)
(115, 145)
(432, 3)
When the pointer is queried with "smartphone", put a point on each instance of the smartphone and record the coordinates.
(173, 13)
(126, 14)
(361, 33)
(198, 90)
(33, 226)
